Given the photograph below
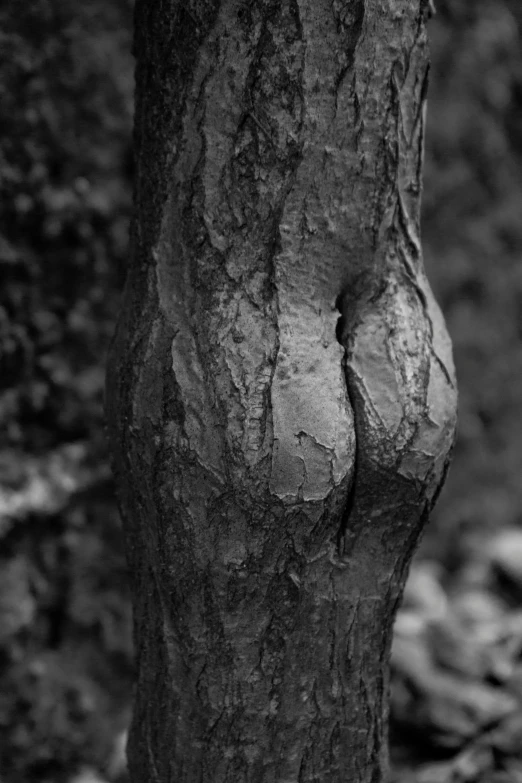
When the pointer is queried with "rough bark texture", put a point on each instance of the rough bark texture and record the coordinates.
(281, 394)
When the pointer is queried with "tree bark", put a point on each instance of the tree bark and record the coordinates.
(281, 393)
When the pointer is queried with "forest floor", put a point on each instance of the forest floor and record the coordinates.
(66, 669)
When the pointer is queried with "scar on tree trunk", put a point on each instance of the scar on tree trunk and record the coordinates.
(281, 393)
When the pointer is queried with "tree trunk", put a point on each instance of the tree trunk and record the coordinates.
(281, 393)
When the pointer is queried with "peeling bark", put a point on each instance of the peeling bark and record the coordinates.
(281, 393)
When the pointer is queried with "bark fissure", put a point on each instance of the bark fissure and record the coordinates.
(346, 516)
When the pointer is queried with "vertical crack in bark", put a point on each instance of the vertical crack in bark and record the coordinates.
(349, 20)
(340, 333)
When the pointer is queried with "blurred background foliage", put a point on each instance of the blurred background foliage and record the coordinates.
(65, 194)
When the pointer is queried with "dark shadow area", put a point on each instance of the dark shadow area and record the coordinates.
(66, 667)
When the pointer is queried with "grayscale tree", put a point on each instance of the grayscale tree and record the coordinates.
(281, 394)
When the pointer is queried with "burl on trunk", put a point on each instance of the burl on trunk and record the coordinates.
(281, 393)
